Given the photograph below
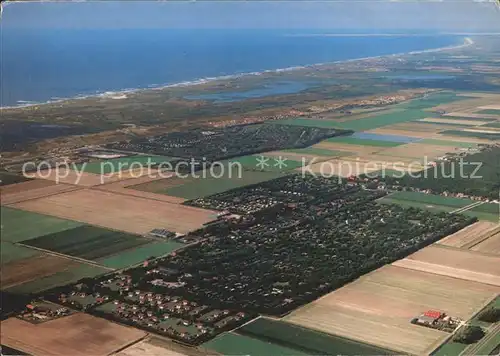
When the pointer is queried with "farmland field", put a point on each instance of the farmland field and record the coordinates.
(318, 152)
(418, 151)
(469, 235)
(154, 346)
(309, 123)
(454, 262)
(120, 212)
(19, 225)
(384, 120)
(11, 252)
(200, 187)
(33, 268)
(306, 340)
(235, 344)
(430, 141)
(70, 275)
(77, 334)
(429, 199)
(473, 134)
(88, 242)
(251, 163)
(361, 141)
(489, 245)
(377, 308)
(489, 112)
(123, 163)
(33, 189)
(7, 178)
(139, 254)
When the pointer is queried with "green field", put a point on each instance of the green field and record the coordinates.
(68, 276)
(365, 142)
(19, 225)
(430, 199)
(489, 112)
(234, 344)
(452, 125)
(122, 163)
(495, 124)
(194, 188)
(450, 349)
(139, 254)
(485, 135)
(251, 163)
(433, 100)
(308, 341)
(88, 242)
(431, 141)
(313, 151)
(328, 124)
(10, 252)
(491, 208)
(409, 204)
(7, 178)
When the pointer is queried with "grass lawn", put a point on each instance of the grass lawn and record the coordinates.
(139, 254)
(122, 163)
(18, 225)
(450, 349)
(495, 124)
(235, 344)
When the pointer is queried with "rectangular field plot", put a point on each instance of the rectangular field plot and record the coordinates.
(235, 344)
(19, 225)
(454, 262)
(121, 212)
(72, 274)
(419, 151)
(139, 254)
(486, 211)
(489, 111)
(77, 334)
(192, 188)
(473, 134)
(377, 308)
(33, 268)
(384, 120)
(428, 200)
(308, 341)
(388, 138)
(313, 151)
(364, 142)
(430, 141)
(490, 245)
(470, 235)
(88, 242)
(10, 252)
(122, 163)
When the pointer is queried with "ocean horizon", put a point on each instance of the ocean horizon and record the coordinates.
(43, 65)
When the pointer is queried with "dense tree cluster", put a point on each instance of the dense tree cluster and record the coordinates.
(469, 334)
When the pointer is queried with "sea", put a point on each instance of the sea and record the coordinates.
(43, 64)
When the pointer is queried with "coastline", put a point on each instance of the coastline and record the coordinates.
(122, 93)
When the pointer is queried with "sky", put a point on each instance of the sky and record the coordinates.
(443, 15)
